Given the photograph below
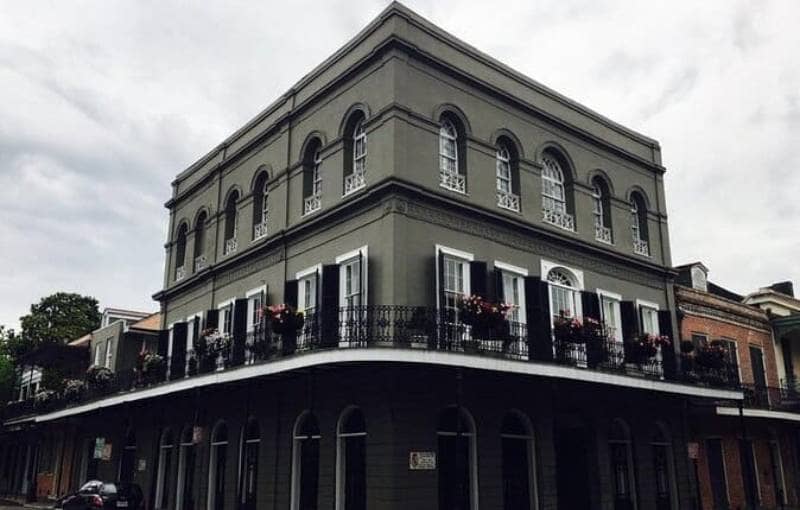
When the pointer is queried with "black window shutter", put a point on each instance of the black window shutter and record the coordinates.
(591, 304)
(195, 329)
(478, 276)
(668, 353)
(239, 331)
(290, 293)
(212, 319)
(163, 343)
(177, 365)
(630, 320)
(537, 298)
(329, 307)
(499, 291)
(362, 284)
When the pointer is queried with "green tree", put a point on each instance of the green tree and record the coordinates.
(60, 317)
(9, 344)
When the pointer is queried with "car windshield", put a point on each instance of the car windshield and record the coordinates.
(92, 486)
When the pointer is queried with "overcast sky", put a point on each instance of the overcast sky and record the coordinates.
(103, 103)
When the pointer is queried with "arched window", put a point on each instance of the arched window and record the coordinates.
(519, 468)
(555, 207)
(184, 498)
(200, 242)
(456, 458)
(351, 480)
(180, 252)
(165, 448)
(127, 461)
(251, 440)
(452, 175)
(216, 467)
(639, 225)
(312, 177)
(563, 293)
(355, 154)
(622, 468)
(663, 465)
(305, 463)
(507, 172)
(260, 206)
(601, 209)
(231, 224)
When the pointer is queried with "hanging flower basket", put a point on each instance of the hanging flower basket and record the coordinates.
(643, 348)
(154, 366)
(99, 378)
(711, 356)
(481, 314)
(73, 390)
(284, 319)
(45, 400)
(569, 330)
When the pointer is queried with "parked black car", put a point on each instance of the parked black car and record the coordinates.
(103, 495)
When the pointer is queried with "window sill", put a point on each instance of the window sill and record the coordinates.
(354, 191)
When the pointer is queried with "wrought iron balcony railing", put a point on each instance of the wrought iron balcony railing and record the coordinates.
(395, 327)
(453, 181)
(559, 219)
(259, 230)
(640, 247)
(785, 397)
(603, 234)
(354, 182)
(508, 200)
(311, 204)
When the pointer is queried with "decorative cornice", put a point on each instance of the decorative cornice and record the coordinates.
(710, 312)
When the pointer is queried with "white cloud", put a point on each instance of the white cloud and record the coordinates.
(103, 103)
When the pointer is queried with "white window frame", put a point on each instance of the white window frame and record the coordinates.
(314, 272)
(530, 439)
(472, 436)
(617, 300)
(161, 474)
(648, 305)
(341, 437)
(97, 356)
(503, 169)
(521, 273)
(557, 203)
(109, 353)
(577, 274)
(171, 332)
(775, 441)
(295, 481)
(454, 253)
(221, 321)
(190, 331)
(249, 295)
(346, 258)
(360, 140)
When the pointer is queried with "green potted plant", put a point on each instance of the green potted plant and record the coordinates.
(99, 378)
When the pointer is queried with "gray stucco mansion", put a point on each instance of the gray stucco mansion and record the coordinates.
(405, 172)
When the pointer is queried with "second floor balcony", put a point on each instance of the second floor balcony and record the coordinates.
(508, 200)
(354, 182)
(560, 219)
(394, 333)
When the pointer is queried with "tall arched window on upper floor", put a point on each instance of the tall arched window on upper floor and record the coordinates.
(641, 245)
(601, 209)
(305, 463)
(180, 252)
(355, 153)
(216, 467)
(312, 177)
(351, 479)
(452, 154)
(231, 224)
(163, 483)
(200, 242)
(556, 191)
(519, 466)
(622, 466)
(457, 467)
(251, 441)
(507, 174)
(664, 468)
(260, 206)
(187, 457)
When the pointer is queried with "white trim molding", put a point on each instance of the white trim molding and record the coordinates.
(455, 253)
(317, 268)
(511, 269)
(252, 292)
(547, 266)
(352, 254)
(758, 413)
